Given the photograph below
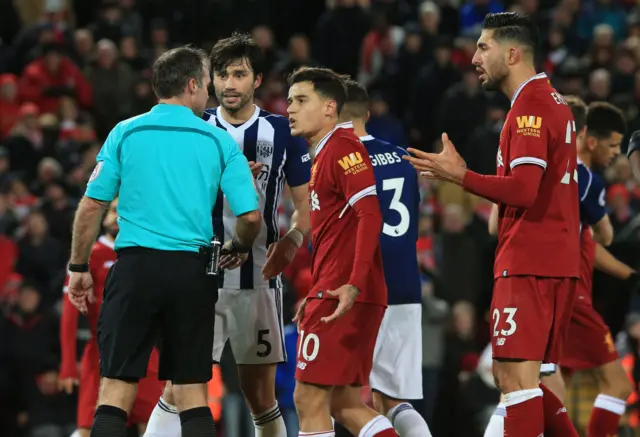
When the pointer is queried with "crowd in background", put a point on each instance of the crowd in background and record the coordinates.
(70, 70)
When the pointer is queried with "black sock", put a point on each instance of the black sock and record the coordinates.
(197, 422)
(109, 421)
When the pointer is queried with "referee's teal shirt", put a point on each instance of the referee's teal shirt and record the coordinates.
(166, 166)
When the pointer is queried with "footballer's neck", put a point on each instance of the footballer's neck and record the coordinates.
(358, 127)
(239, 116)
(517, 77)
(318, 136)
(584, 155)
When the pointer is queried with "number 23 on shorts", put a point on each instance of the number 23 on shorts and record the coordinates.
(508, 326)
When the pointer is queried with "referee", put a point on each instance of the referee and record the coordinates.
(166, 167)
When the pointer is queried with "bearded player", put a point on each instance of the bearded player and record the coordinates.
(340, 318)
(589, 345)
(538, 254)
(102, 258)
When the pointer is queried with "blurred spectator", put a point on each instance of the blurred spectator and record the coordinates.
(52, 76)
(382, 124)
(112, 81)
(8, 220)
(299, 55)
(9, 103)
(84, 46)
(339, 35)
(130, 54)
(41, 257)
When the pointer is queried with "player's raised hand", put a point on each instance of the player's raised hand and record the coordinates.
(447, 165)
(67, 385)
(279, 255)
(80, 290)
(346, 295)
(255, 167)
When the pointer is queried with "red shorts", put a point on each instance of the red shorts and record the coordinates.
(589, 343)
(149, 389)
(530, 317)
(337, 353)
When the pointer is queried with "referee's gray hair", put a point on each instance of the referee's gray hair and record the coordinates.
(174, 68)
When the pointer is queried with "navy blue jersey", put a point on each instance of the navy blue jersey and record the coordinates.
(399, 197)
(592, 192)
(264, 138)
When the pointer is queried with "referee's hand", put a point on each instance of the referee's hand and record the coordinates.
(80, 290)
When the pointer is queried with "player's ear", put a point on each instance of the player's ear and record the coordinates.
(514, 55)
(192, 86)
(366, 118)
(258, 81)
(331, 108)
(591, 142)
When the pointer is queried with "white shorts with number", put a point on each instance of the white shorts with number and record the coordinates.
(397, 360)
(252, 321)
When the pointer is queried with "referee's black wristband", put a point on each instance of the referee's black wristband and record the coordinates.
(239, 247)
(78, 268)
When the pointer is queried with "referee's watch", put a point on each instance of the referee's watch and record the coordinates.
(78, 268)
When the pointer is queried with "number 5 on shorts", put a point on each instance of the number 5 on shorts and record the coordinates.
(509, 313)
(310, 341)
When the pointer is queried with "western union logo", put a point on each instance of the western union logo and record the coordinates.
(350, 160)
(529, 121)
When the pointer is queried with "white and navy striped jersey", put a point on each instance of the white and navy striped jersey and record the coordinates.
(264, 138)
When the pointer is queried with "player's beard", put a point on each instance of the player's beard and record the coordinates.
(112, 231)
(494, 81)
(244, 100)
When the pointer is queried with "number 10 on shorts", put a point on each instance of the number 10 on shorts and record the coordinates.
(308, 346)
(509, 321)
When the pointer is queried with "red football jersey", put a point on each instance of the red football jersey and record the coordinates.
(587, 261)
(341, 175)
(102, 258)
(543, 240)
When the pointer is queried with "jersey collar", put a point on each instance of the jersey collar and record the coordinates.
(244, 126)
(523, 84)
(105, 241)
(323, 141)
(367, 138)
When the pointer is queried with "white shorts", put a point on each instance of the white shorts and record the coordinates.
(252, 321)
(397, 360)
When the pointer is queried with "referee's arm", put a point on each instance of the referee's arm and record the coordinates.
(102, 188)
(238, 187)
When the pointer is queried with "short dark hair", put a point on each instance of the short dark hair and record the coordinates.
(579, 111)
(237, 46)
(603, 119)
(513, 26)
(174, 68)
(326, 82)
(357, 103)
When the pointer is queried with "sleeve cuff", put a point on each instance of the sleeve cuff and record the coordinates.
(369, 191)
(528, 160)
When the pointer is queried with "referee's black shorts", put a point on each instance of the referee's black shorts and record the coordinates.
(151, 296)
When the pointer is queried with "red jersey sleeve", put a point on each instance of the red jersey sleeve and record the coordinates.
(68, 336)
(352, 171)
(529, 134)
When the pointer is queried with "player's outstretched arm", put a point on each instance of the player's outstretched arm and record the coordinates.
(609, 264)
(519, 189)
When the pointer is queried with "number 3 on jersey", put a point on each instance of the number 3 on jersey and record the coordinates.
(396, 184)
(571, 129)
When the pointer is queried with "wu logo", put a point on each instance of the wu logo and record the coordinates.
(529, 121)
(313, 201)
(350, 160)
